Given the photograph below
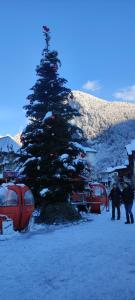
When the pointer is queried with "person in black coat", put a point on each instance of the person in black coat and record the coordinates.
(128, 197)
(115, 196)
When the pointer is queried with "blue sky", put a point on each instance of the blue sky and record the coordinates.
(96, 44)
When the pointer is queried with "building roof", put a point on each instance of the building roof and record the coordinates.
(114, 169)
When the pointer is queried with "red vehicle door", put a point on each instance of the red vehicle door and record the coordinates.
(17, 203)
(27, 207)
(10, 201)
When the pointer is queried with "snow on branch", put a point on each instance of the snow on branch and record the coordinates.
(28, 160)
(43, 192)
(82, 148)
(69, 167)
(64, 157)
(48, 115)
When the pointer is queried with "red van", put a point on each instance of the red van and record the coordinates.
(16, 203)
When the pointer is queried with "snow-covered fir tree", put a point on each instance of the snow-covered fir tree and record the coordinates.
(49, 153)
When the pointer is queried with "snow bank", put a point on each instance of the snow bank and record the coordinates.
(91, 260)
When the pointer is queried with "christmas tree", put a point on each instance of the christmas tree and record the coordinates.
(50, 153)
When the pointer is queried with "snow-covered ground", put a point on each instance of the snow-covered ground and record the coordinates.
(92, 260)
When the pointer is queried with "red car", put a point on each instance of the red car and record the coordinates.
(17, 204)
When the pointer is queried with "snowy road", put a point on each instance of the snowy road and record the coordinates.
(89, 261)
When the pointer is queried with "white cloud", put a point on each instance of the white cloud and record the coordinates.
(93, 85)
(126, 94)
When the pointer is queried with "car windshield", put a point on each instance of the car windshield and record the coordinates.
(98, 191)
(28, 198)
(8, 197)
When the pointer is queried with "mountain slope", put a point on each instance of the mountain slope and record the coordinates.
(17, 138)
(7, 143)
(109, 126)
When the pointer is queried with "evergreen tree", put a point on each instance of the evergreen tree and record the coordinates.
(50, 152)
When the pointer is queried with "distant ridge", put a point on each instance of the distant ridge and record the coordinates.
(17, 138)
(7, 143)
(109, 126)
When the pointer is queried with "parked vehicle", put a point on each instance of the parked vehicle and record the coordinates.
(16, 205)
(93, 197)
(98, 197)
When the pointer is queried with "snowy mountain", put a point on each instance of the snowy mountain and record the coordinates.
(7, 143)
(17, 138)
(109, 126)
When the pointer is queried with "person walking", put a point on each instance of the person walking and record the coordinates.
(128, 197)
(115, 196)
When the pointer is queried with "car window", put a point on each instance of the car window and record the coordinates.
(97, 191)
(8, 197)
(28, 198)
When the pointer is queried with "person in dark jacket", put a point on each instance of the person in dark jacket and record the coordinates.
(115, 196)
(128, 197)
